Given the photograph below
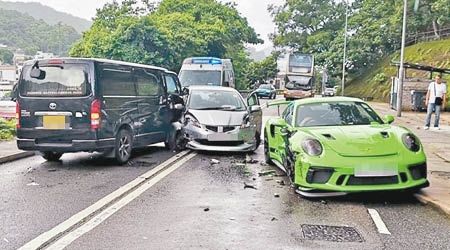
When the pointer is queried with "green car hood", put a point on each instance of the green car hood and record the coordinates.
(358, 140)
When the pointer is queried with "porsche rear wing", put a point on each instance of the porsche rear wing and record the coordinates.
(278, 104)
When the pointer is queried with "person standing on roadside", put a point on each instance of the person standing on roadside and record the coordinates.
(435, 100)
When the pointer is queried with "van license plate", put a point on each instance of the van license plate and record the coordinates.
(54, 122)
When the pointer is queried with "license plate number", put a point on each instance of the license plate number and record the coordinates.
(222, 137)
(376, 170)
(54, 122)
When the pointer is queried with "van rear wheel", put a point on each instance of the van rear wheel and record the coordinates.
(123, 146)
(51, 156)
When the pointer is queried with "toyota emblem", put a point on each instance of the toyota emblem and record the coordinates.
(52, 106)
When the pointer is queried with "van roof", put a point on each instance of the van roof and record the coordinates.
(100, 60)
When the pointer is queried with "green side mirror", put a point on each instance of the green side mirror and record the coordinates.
(388, 119)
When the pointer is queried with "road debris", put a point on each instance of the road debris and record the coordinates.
(232, 218)
(323, 201)
(33, 184)
(206, 209)
(51, 170)
(240, 164)
(269, 179)
(281, 182)
(276, 195)
(215, 161)
(249, 186)
(6, 240)
(274, 219)
(267, 172)
(30, 170)
(250, 160)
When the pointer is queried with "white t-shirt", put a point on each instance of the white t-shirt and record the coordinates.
(441, 89)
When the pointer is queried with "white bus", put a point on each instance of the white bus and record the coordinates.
(207, 71)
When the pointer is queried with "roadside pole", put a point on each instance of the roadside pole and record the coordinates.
(345, 49)
(402, 57)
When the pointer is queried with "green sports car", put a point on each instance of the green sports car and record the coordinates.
(339, 145)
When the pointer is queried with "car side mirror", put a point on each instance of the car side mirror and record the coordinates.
(255, 108)
(185, 91)
(388, 119)
(37, 74)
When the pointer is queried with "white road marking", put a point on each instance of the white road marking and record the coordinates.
(105, 214)
(382, 229)
(43, 239)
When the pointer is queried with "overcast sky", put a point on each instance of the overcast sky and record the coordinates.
(254, 10)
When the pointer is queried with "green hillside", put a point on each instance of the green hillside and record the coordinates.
(22, 31)
(376, 82)
(49, 15)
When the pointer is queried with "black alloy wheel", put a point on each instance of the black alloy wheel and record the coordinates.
(124, 146)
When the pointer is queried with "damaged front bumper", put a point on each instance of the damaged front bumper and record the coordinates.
(220, 138)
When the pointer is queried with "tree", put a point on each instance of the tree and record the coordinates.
(166, 34)
(6, 56)
(261, 72)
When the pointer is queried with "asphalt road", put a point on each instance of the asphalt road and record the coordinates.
(199, 205)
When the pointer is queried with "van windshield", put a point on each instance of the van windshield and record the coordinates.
(60, 80)
(200, 77)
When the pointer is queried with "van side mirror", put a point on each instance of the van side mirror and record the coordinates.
(37, 74)
(388, 119)
(255, 108)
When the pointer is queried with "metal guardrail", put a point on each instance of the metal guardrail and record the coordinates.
(427, 36)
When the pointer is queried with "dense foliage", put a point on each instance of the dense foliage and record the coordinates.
(262, 71)
(7, 129)
(22, 31)
(164, 35)
(317, 27)
(6, 56)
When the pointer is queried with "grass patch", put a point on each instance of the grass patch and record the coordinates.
(7, 129)
(375, 82)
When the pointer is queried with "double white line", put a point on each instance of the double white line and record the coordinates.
(68, 231)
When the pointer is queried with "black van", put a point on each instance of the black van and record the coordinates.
(72, 104)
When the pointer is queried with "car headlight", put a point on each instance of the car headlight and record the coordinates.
(411, 142)
(312, 146)
(191, 120)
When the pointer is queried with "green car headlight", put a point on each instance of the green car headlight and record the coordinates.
(411, 142)
(312, 146)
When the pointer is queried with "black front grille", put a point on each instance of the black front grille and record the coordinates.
(319, 175)
(228, 129)
(418, 171)
(219, 143)
(212, 128)
(361, 181)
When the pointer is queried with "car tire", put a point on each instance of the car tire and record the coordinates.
(257, 141)
(51, 156)
(266, 149)
(175, 141)
(123, 146)
(274, 96)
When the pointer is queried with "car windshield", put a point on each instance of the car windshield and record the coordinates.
(200, 77)
(216, 100)
(62, 80)
(335, 114)
(265, 86)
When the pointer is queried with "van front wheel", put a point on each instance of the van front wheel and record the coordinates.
(123, 146)
(51, 156)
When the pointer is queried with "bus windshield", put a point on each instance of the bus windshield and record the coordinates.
(200, 77)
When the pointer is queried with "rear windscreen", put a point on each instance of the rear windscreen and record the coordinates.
(60, 80)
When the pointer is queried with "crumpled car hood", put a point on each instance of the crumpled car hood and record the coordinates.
(219, 117)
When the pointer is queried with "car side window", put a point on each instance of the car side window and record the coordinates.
(148, 82)
(288, 114)
(117, 81)
(253, 100)
(172, 86)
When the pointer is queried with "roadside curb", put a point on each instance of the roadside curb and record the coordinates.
(15, 156)
(427, 200)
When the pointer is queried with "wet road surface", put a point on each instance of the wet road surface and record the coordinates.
(201, 205)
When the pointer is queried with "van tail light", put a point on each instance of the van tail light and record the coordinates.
(95, 114)
(17, 114)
